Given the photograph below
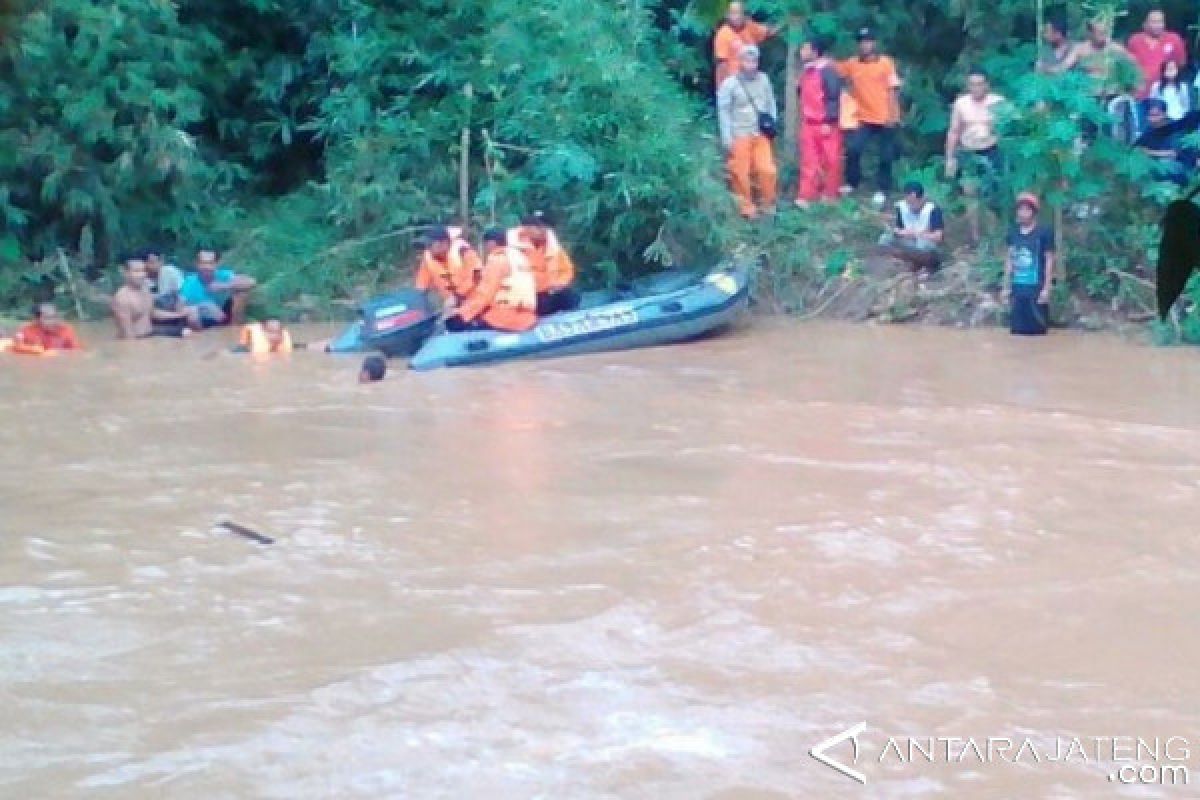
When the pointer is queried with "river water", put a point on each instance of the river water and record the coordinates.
(658, 574)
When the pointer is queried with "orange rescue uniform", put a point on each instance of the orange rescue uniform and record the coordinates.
(452, 277)
(32, 339)
(506, 295)
(728, 44)
(872, 85)
(552, 266)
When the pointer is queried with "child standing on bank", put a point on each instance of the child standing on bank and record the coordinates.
(1029, 269)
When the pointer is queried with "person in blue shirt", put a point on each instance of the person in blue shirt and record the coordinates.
(217, 293)
(1029, 269)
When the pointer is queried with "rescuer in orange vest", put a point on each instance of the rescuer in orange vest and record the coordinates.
(505, 298)
(551, 264)
(263, 338)
(735, 32)
(449, 265)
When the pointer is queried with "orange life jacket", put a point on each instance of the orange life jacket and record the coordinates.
(254, 338)
(551, 265)
(448, 275)
(519, 289)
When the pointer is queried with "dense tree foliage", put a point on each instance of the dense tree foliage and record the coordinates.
(316, 138)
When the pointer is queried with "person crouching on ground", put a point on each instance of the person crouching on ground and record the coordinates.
(265, 338)
(1029, 269)
(218, 294)
(505, 298)
(917, 231)
(744, 102)
(47, 333)
(553, 269)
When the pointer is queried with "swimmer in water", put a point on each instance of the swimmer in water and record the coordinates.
(373, 369)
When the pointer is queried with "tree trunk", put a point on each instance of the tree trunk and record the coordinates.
(1060, 254)
(790, 111)
(464, 182)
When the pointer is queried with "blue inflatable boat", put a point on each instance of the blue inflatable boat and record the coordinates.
(665, 309)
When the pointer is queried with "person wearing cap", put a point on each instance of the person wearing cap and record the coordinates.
(735, 32)
(741, 100)
(1163, 140)
(553, 269)
(505, 298)
(917, 230)
(874, 86)
(820, 90)
(1029, 269)
(448, 265)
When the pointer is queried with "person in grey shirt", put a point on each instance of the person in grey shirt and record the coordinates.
(165, 282)
(741, 99)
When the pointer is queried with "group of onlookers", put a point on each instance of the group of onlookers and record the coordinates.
(155, 299)
(846, 106)
(159, 299)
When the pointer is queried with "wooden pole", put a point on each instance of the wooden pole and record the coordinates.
(464, 180)
(1041, 24)
(790, 112)
(66, 269)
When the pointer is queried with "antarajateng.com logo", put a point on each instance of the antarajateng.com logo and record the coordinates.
(1157, 761)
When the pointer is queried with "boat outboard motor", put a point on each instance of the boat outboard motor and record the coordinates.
(399, 323)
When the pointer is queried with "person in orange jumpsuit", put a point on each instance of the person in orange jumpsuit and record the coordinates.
(47, 333)
(505, 298)
(819, 90)
(551, 264)
(449, 266)
(735, 32)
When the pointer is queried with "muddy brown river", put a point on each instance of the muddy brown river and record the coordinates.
(657, 574)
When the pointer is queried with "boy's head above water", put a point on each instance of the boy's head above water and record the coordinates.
(373, 369)
(273, 328)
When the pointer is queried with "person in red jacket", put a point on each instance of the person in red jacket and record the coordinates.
(47, 333)
(1153, 47)
(820, 90)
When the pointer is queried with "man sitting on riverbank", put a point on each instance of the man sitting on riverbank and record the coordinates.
(1164, 142)
(165, 282)
(47, 333)
(135, 312)
(917, 230)
(218, 294)
(132, 305)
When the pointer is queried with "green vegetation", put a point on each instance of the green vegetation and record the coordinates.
(313, 141)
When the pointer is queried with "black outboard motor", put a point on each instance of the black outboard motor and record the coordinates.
(398, 324)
